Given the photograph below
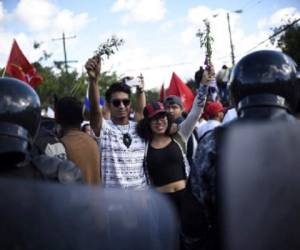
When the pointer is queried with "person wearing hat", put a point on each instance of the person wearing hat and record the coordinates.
(174, 107)
(166, 164)
(20, 121)
(214, 112)
(264, 87)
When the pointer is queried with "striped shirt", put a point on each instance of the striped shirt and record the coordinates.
(122, 167)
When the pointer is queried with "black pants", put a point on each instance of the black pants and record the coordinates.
(177, 199)
(196, 231)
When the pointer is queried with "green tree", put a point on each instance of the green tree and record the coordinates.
(288, 40)
(72, 84)
(106, 80)
(59, 85)
(48, 88)
(67, 84)
(152, 95)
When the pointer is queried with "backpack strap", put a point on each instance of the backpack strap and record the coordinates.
(207, 132)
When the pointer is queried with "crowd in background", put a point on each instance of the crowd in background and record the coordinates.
(160, 147)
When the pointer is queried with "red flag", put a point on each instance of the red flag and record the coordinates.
(19, 67)
(162, 93)
(179, 88)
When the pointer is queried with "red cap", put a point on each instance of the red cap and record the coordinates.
(213, 108)
(153, 109)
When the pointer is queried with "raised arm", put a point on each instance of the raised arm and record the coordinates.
(140, 99)
(93, 66)
(187, 126)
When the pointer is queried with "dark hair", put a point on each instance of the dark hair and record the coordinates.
(198, 75)
(117, 87)
(144, 131)
(83, 127)
(69, 112)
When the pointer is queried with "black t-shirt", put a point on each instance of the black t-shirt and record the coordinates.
(165, 165)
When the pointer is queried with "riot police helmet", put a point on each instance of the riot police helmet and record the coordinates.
(19, 118)
(265, 78)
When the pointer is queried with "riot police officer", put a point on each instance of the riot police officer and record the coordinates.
(20, 117)
(264, 86)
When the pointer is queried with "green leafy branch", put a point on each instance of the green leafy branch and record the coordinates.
(109, 47)
(206, 39)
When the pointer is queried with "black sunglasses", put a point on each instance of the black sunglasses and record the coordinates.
(117, 102)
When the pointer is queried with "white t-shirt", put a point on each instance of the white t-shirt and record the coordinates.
(230, 115)
(198, 126)
(121, 167)
(209, 125)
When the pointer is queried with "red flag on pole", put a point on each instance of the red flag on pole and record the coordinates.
(162, 93)
(19, 67)
(179, 88)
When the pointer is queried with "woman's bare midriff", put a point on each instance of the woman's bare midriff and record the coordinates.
(172, 187)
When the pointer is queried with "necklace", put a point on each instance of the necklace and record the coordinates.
(126, 136)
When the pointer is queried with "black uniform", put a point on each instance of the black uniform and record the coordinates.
(19, 122)
(264, 87)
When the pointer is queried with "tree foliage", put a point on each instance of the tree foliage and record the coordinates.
(152, 95)
(59, 82)
(73, 84)
(67, 84)
(288, 41)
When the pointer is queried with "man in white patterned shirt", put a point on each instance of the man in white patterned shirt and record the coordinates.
(122, 150)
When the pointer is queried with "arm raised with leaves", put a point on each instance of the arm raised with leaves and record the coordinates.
(93, 67)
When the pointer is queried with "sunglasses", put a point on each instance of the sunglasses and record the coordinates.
(117, 102)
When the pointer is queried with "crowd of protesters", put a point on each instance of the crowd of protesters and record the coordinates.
(159, 148)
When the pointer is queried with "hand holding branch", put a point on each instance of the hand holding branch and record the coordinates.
(93, 67)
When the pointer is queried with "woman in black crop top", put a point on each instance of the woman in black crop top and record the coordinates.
(166, 162)
(165, 157)
(165, 165)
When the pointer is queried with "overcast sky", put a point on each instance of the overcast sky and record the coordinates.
(159, 34)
